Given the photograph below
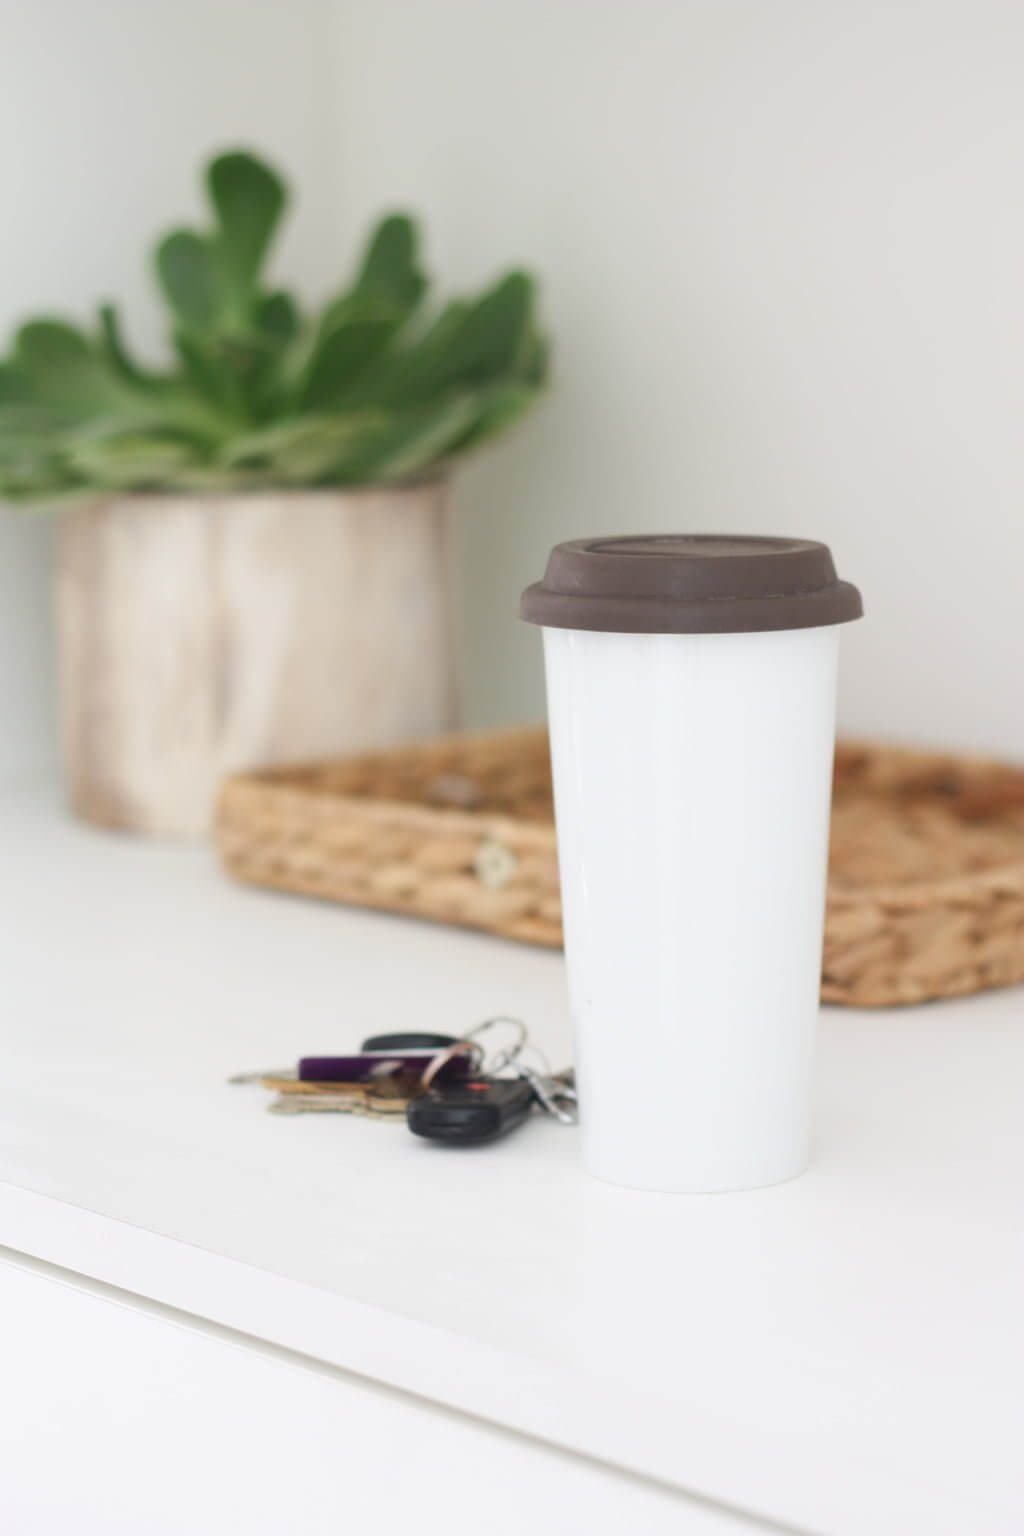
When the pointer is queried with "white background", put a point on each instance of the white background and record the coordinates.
(783, 250)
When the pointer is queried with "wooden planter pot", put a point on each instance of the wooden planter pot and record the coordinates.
(203, 634)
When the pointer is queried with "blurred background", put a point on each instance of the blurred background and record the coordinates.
(782, 255)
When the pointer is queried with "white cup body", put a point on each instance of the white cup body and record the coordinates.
(692, 780)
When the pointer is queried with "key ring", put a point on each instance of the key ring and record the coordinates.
(470, 1045)
(438, 1063)
(506, 1057)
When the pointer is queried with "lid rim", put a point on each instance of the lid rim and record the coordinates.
(690, 584)
(828, 606)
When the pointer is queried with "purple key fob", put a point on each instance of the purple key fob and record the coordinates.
(371, 1066)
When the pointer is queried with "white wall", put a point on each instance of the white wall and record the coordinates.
(107, 108)
(783, 248)
(783, 244)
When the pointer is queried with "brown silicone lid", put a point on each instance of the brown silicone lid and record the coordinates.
(690, 584)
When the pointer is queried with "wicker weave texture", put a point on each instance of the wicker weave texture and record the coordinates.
(926, 879)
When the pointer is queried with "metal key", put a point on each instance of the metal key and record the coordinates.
(555, 1092)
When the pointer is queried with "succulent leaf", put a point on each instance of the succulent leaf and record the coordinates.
(185, 266)
(212, 380)
(248, 199)
(14, 386)
(413, 372)
(130, 461)
(390, 266)
(63, 371)
(277, 317)
(492, 335)
(411, 443)
(303, 450)
(339, 359)
(43, 345)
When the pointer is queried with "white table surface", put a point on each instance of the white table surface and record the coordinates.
(841, 1354)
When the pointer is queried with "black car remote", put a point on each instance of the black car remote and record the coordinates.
(475, 1110)
(409, 1040)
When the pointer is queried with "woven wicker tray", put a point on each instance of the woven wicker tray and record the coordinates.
(926, 881)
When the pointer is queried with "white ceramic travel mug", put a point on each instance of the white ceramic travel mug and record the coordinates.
(691, 700)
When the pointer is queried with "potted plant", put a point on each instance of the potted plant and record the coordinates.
(252, 560)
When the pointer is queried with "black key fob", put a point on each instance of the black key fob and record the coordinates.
(476, 1110)
(409, 1041)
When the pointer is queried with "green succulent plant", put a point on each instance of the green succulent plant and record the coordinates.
(374, 389)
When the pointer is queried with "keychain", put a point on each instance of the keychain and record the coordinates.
(484, 1105)
(446, 1088)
